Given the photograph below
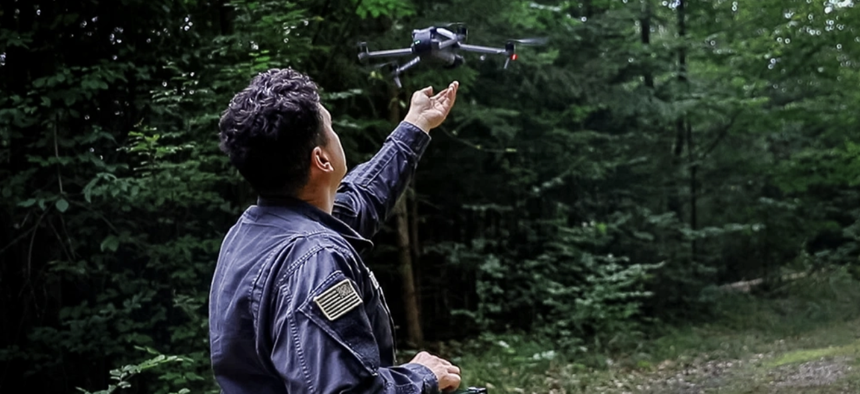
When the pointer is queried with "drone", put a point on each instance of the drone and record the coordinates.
(440, 45)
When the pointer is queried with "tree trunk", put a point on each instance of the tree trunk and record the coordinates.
(693, 202)
(680, 129)
(414, 337)
(684, 128)
(414, 242)
(645, 23)
(682, 34)
(225, 18)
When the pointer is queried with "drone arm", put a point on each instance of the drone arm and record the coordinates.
(446, 33)
(451, 38)
(386, 53)
(447, 43)
(481, 49)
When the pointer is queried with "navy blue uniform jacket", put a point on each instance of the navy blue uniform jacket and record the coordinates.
(274, 328)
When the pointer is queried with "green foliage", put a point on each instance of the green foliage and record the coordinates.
(126, 372)
(377, 8)
(603, 184)
(565, 292)
(805, 320)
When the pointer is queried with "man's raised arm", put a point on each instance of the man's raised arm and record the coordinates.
(367, 194)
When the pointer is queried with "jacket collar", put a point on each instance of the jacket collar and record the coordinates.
(313, 213)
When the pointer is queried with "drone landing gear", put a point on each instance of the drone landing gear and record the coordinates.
(456, 62)
(403, 68)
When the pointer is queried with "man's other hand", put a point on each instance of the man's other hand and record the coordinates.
(447, 375)
(428, 111)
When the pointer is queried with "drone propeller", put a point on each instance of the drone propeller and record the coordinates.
(449, 24)
(392, 64)
(459, 28)
(530, 41)
(511, 50)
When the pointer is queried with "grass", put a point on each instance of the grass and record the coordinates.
(804, 338)
(800, 356)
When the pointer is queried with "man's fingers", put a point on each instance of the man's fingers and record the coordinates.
(442, 93)
(452, 88)
(454, 369)
(449, 91)
(428, 91)
(450, 382)
(452, 92)
(448, 96)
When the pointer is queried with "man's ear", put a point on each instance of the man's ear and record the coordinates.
(320, 160)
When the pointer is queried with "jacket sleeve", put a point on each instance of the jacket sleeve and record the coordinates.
(322, 340)
(368, 193)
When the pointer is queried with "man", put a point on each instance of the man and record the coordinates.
(293, 309)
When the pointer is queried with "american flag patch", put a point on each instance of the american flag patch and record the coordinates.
(338, 300)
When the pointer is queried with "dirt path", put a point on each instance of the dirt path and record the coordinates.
(805, 342)
(760, 374)
(789, 367)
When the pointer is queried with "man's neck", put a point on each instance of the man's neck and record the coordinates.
(318, 198)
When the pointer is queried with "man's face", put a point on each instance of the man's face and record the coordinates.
(333, 149)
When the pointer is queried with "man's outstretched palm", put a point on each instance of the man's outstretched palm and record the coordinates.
(428, 111)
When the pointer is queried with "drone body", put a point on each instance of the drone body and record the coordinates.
(436, 45)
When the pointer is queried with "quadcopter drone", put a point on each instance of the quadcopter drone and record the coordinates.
(440, 45)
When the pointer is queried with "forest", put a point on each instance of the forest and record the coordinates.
(660, 184)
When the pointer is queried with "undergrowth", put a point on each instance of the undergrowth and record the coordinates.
(798, 318)
(802, 321)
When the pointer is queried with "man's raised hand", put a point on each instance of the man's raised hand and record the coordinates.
(428, 111)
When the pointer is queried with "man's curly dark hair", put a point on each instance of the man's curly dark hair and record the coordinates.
(270, 129)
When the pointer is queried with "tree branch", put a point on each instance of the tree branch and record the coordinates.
(724, 131)
(319, 29)
(14, 241)
(57, 154)
(471, 145)
(30, 251)
(66, 250)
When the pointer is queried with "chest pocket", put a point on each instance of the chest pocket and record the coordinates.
(387, 350)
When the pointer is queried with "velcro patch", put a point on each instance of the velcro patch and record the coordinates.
(338, 300)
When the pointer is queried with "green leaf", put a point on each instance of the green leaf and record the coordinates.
(88, 189)
(27, 203)
(62, 205)
(110, 243)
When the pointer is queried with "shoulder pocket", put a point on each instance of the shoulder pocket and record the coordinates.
(337, 308)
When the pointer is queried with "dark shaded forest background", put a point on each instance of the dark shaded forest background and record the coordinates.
(604, 184)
